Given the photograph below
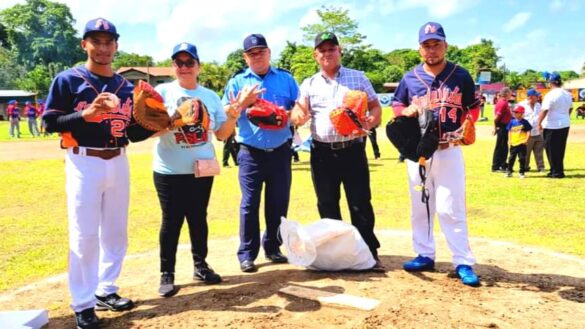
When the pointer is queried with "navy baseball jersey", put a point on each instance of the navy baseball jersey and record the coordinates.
(448, 96)
(31, 112)
(74, 90)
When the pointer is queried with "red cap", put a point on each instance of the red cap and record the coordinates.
(519, 109)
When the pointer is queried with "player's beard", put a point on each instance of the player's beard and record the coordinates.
(102, 60)
(433, 62)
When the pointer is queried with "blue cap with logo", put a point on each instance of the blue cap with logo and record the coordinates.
(186, 48)
(554, 77)
(255, 41)
(431, 30)
(532, 92)
(100, 25)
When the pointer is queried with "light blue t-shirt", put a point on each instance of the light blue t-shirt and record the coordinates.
(176, 151)
(281, 89)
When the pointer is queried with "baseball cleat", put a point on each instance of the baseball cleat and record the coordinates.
(113, 302)
(420, 263)
(87, 319)
(467, 276)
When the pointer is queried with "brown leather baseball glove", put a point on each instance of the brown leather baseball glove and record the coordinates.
(149, 110)
(191, 112)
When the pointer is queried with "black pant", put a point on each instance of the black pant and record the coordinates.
(374, 139)
(520, 151)
(330, 168)
(555, 143)
(182, 196)
(501, 149)
(230, 147)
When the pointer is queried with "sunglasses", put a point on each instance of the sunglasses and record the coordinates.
(188, 63)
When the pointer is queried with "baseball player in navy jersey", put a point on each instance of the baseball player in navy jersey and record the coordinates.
(91, 106)
(447, 92)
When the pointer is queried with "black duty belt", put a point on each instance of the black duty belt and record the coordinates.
(337, 145)
(252, 148)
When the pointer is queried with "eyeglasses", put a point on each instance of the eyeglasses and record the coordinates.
(188, 63)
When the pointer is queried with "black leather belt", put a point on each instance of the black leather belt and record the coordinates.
(337, 145)
(252, 148)
(103, 154)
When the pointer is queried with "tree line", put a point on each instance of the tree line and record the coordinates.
(38, 40)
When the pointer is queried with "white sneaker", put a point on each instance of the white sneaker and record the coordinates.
(522, 176)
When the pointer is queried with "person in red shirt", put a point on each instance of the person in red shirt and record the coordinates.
(503, 115)
(13, 112)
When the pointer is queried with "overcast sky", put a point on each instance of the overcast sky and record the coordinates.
(544, 35)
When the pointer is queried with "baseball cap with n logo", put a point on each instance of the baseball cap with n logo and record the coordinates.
(100, 25)
(431, 30)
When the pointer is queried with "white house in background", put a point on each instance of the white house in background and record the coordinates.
(21, 96)
(152, 75)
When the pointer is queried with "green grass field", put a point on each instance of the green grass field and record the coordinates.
(535, 211)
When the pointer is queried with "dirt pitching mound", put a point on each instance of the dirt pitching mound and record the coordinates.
(521, 288)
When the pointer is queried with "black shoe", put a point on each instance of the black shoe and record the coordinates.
(87, 319)
(248, 266)
(206, 274)
(113, 302)
(167, 285)
(277, 257)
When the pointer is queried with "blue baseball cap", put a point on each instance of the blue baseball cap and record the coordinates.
(554, 77)
(185, 47)
(431, 30)
(532, 92)
(100, 25)
(12, 102)
(255, 41)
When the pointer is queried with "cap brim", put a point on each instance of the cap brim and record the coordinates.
(328, 40)
(115, 35)
(186, 52)
(431, 37)
(254, 47)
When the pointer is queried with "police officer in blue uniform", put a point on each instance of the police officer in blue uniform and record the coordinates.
(265, 155)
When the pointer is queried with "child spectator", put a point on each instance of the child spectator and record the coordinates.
(518, 134)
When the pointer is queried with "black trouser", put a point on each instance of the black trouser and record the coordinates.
(295, 154)
(230, 147)
(501, 149)
(555, 143)
(330, 168)
(520, 151)
(182, 196)
(374, 140)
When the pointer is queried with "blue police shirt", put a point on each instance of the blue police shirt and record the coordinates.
(281, 89)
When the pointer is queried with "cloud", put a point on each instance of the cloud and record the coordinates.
(516, 22)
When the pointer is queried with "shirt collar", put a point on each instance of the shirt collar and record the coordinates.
(249, 71)
(337, 75)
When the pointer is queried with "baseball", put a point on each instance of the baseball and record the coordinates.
(112, 101)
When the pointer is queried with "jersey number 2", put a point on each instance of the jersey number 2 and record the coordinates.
(117, 128)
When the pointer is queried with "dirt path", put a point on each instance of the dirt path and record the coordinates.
(521, 288)
(49, 149)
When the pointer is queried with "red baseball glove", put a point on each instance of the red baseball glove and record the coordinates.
(267, 115)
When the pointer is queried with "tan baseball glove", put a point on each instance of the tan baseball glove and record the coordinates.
(149, 110)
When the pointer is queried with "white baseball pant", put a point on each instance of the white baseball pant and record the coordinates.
(445, 182)
(97, 201)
